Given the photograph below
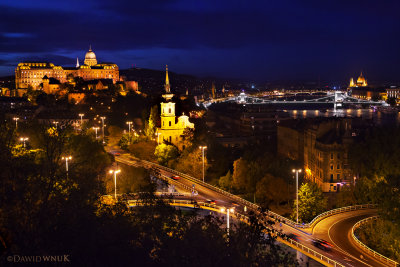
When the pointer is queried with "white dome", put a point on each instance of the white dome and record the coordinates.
(90, 58)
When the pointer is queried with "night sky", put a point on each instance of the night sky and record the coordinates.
(257, 40)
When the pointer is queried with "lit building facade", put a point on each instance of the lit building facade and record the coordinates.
(326, 147)
(32, 73)
(172, 130)
(361, 82)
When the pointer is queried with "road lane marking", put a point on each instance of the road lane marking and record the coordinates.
(343, 251)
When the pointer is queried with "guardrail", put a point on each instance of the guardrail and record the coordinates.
(255, 207)
(314, 254)
(366, 248)
(336, 211)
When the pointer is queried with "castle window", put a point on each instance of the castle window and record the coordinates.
(169, 111)
(331, 155)
(338, 176)
(331, 178)
(169, 123)
(331, 166)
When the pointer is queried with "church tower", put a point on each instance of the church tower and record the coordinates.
(172, 130)
(168, 108)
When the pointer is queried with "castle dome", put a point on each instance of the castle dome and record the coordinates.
(90, 58)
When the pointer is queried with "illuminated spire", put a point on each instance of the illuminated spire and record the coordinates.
(351, 83)
(167, 85)
(90, 47)
(77, 62)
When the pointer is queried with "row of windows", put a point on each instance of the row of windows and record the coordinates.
(337, 177)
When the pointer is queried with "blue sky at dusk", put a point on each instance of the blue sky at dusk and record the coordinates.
(255, 40)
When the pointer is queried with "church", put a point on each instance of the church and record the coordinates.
(35, 73)
(171, 130)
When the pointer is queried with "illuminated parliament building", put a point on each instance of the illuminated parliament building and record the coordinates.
(33, 73)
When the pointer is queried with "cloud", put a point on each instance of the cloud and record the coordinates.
(261, 36)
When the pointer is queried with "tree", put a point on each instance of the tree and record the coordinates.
(311, 202)
(128, 139)
(225, 182)
(165, 153)
(150, 127)
(271, 190)
(191, 162)
(246, 174)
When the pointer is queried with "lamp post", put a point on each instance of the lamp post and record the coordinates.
(297, 171)
(81, 115)
(24, 139)
(16, 122)
(66, 163)
(95, 129)
(202, 150)
(228, 211)
(129, 131)
(56, 123)
(102, 128)
(115, 172)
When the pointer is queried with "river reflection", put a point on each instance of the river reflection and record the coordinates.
(367, 114)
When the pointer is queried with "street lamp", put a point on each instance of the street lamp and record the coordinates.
(115, 181)
(24, 139)
(297, 192)
(56, 123)
(228, 211)
(16, 122)
(129, 131)
(81, 115)
(202, 150)
(66, 163)
(95, 129)
(102, 121)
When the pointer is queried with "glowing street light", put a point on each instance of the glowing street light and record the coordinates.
(228, 211)
(56, 123)
(95, 129)
(102, 128)
(67, 158)
(297, 193)
(24, 139)
(16, 122)
(115, 172)
(81, 115)
(202, 150)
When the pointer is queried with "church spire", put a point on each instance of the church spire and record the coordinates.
(77, 62)
(167, 85)
(90, 47)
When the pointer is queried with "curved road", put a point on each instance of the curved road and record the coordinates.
(335, 229)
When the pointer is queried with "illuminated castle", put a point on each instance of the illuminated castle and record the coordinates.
(32, 73)
(361, 82)
(172, 130)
